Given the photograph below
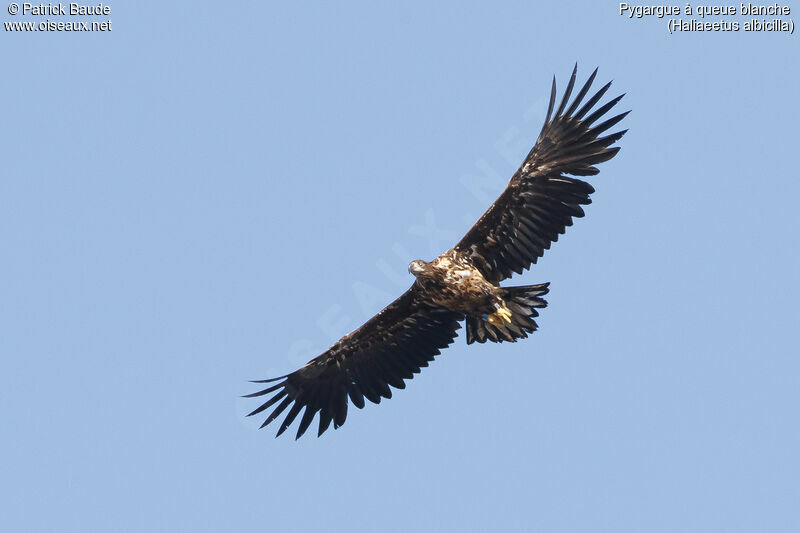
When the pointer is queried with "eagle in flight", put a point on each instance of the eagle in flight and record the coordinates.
(538, 204)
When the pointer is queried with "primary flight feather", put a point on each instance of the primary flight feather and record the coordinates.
(538, 204)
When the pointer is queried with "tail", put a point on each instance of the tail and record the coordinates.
(522, 303)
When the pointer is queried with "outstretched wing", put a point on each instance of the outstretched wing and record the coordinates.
(540, 201)
(389, 348)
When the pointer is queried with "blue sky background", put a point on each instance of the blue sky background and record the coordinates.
(214, 193)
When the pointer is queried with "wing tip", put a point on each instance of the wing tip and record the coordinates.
(270, 380)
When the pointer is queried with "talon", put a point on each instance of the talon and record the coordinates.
(498, 317)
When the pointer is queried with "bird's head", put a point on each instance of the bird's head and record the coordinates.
(417, 267)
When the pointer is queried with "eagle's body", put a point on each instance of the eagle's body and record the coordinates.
(538, 204)
(452, 281)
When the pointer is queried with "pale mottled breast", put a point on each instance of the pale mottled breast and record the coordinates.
(456, 269)
(459, 285)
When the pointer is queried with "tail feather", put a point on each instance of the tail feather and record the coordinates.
(522, 302)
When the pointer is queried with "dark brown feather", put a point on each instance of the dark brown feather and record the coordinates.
(541, 200)
(388, 349)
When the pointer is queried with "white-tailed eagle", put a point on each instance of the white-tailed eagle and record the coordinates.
(540, 201)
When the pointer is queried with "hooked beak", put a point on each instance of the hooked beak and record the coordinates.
(415, 268)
